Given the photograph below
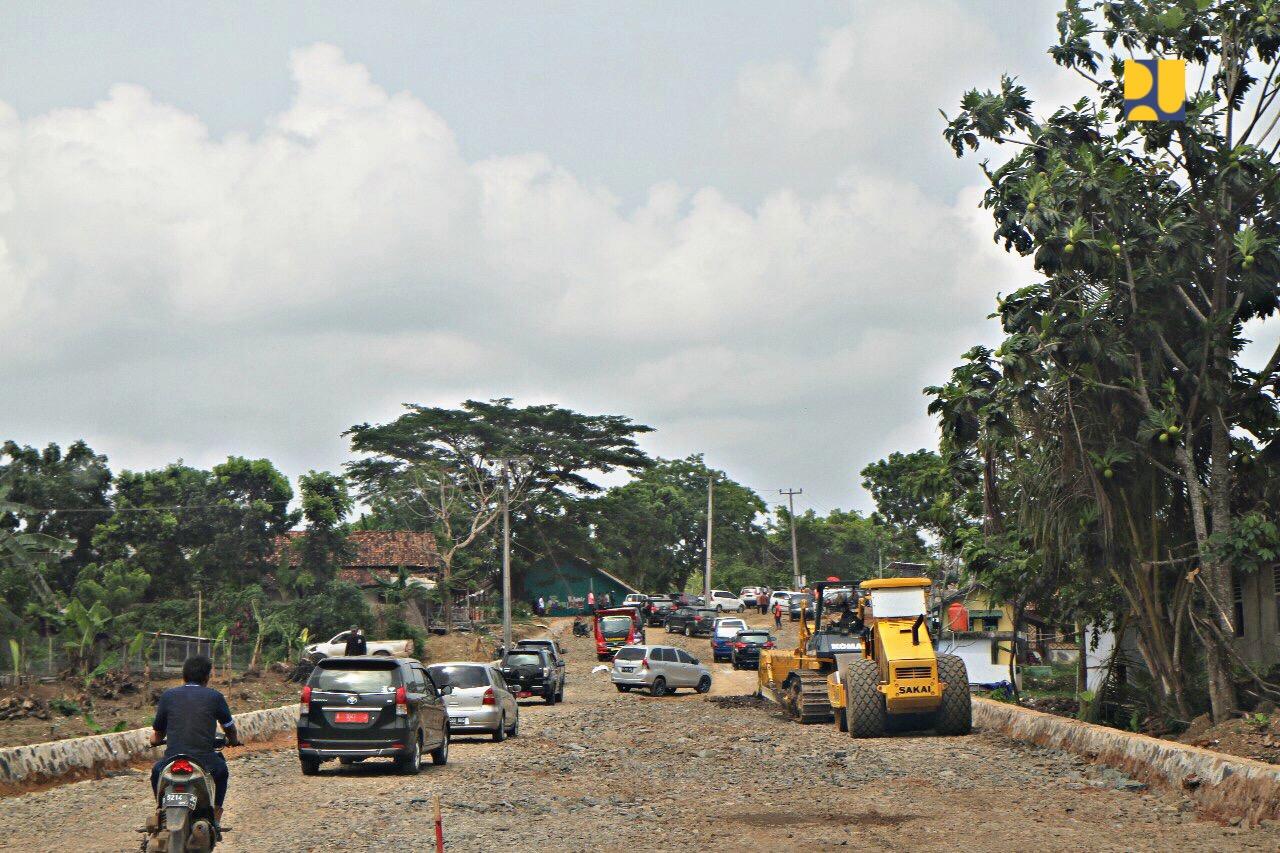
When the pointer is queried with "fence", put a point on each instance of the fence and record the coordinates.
(45, 659)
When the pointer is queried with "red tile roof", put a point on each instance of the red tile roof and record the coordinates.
(381, 549)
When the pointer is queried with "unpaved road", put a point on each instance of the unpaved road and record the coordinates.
(608, 771)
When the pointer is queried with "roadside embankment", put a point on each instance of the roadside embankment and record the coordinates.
(1220, 784)
(84, 757)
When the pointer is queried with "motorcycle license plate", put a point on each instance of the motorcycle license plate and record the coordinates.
(179, 801)
(351, 717)
(458, 721)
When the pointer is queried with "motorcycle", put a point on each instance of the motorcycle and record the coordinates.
(183, 820)
(580, 629)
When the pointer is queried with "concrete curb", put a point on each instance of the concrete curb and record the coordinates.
(1221, 784)
(87, 756)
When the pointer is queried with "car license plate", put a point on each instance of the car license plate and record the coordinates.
(179, 801)
(524, 694)
(628, 669)
(351, 717)
(458, 721)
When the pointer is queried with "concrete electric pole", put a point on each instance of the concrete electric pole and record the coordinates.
(706, 581)
(795, 553)
(506, 546)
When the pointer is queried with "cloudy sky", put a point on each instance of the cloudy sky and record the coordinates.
(229, 230)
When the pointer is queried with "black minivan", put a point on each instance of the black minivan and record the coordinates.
(355, 708)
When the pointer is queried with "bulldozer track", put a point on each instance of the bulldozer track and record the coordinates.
(807, 698)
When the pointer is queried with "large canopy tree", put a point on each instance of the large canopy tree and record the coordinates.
(1156, 242)
(442, 469)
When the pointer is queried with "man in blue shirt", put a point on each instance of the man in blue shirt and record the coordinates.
(187, 717)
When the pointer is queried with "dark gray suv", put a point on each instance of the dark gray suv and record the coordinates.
(355, 708)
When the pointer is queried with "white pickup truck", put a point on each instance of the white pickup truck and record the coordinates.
(337, 647)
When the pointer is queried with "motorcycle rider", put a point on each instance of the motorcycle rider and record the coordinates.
(187, 718)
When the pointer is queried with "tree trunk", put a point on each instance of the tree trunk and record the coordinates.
(1217, 573)
(446, 594)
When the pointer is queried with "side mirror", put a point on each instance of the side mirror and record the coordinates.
(696, 661)
(772, 638)
(446, 690)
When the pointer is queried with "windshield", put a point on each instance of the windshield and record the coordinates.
(888, 603)
(524, 659)
(629, 654)
(458, 676)
(354, 680)
(615, 626)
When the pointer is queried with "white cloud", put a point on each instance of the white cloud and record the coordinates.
(167, 293)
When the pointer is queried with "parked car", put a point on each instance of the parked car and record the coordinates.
(723, 634)
(747, 646)
(617, 627)
(750, 595)
(686, 599)
(661, 669)
(353, 708)
(781, 596)
(691, 620)
(836, 596)
(801, 603)
(635, 599)
(337, 647)
(722, 599)
(531, 671)
(657, 608)
(478, 699)
(550, 646)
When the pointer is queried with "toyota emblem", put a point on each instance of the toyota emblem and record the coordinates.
(351, 700)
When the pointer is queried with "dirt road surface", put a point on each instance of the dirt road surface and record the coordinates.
(612, 771)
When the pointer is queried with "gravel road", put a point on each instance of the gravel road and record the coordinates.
(608, 771)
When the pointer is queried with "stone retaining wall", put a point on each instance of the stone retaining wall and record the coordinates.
(1221, 784)
(87, 756)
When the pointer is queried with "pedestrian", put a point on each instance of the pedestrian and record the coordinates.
(356, 644)
(764, 601)
(608, 600)
(777, 615)
(591, 601)
(542, 606)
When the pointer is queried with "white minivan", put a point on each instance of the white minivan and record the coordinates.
(661, 669)
(722, 599)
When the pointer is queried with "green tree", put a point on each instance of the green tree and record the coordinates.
(438, 469)
(324, 548)
(1157, 242)
(652, 530)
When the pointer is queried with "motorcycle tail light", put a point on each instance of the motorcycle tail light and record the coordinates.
(490, 698)
(181, 766)
(402, 702)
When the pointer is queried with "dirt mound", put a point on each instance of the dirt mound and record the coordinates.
(746, 701)
(1255, 736)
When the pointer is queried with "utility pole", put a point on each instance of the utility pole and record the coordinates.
(711, 503)
(795, 553)
(506, 547)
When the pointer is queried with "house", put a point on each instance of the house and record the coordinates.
(564, 585)
(1256, 600)
(980, 633)
(379, 555)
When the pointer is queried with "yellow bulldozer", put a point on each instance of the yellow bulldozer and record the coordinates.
(874, 670)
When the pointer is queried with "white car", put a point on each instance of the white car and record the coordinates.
(781, 596)
(750, 595)
(337, 647)
(635, 599)
(661, 669)
(724, 600)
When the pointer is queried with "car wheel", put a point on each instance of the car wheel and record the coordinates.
(719, 608)
(440, 755)
(742, 608)
(500, 733)
(688, 632)
(623, 688)
(560, 694)
(550, 698)
(735, 665)
(410, 764)
(659, 687)
(704, 684)
(310, 766)
(515, 728)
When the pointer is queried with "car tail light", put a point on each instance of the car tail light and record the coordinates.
(768, 645)
(490, 698)
(739, 645)
(402, 702)
(182, 766)
(304, 704)
(645, 664)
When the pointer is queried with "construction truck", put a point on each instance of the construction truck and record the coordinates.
(874, 670)
(901, 683)
(797, 679)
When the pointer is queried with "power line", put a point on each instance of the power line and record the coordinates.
(39, 510)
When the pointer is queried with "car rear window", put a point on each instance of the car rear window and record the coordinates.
(459, 676)
(753, 638)
(524, 659)
(352, 680)
(629, 654)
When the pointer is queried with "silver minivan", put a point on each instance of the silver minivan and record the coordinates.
(479, 701)
(662, 669)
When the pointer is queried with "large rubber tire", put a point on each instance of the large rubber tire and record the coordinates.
(659, 687)
(440, 755)
(955, 713)
(866, 714)
(704, 684)
(500, 733)
(411, 764)
(310, 766)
